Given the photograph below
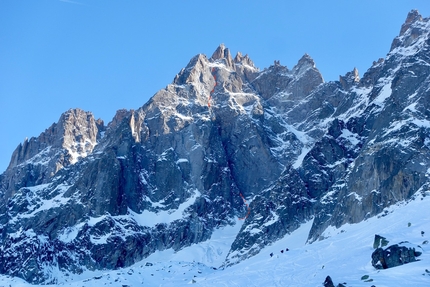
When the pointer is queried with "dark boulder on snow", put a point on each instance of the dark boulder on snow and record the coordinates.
(328, 282)
(379, 241)
(394, 255)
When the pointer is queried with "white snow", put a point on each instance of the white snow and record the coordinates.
(345, 255)
(411, 107)
(211, 252)
(306, 140)
(351, 137)
(397, 125)
(356, 196)
(38, 204)
(301, 156)
(79, 150)
(70, 233)
(42, 158)
(385, 92)
(148, 218)
(360, 102)
(273, 220)
(162, 156)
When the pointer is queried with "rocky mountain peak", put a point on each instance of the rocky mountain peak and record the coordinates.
(38, 159)
(240, 59)
(223, 142)
(76, 131)
(349, 79)
(220, 52)
(80, 131)
(223, 53)
(120, 115)
(414, 27)
(412, 17)
(304, 64)
(192, 71)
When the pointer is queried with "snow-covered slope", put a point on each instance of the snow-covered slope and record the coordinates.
(345, 256)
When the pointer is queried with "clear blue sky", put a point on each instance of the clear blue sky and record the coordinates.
(104, 55)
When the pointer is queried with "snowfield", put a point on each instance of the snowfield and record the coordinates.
(344, 254)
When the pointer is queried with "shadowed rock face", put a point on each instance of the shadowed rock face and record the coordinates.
(85, 195)
(393, 256)
(162, 176)
(37, 160)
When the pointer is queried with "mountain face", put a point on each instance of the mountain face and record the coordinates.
(274, 148)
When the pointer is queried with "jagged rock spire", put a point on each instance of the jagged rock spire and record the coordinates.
(305, 63)
(240, 59)
(410, 30)
(74, 129)
(223, 53)
(349, 79)
(412, 17)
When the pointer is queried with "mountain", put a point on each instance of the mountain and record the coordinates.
(224, 144)
(344, 255)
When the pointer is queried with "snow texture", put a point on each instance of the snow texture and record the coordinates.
(344, 254)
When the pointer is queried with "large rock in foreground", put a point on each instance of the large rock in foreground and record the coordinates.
(394, 255)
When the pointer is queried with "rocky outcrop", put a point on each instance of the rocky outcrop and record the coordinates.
(38, 159)
(350, 79)
(76, 131)
(223, 54)
(379, 241)
(385, 131)
(413, 28)
(280, 86)
(393, 256)
(328, 282)
(413, 17)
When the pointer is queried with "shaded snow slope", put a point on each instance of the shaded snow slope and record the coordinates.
(345, 255)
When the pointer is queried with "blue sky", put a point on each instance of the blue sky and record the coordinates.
(104, 55)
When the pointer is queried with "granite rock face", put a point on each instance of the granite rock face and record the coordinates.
(386, 143)
(393, 256)
(222, 137)
(37, 160)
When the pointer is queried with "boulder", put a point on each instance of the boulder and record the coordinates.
(394, 255)
(379, 241)
(328, 282)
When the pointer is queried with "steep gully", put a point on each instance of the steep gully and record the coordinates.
(210, 112)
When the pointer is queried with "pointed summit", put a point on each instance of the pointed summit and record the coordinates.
(306, 59)
(349, 79)
(240, 59)
(64, 143)
(76, 132)
(220, 52)
(305, 63)
(223, 53)
(412, 17)
(413, 28)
